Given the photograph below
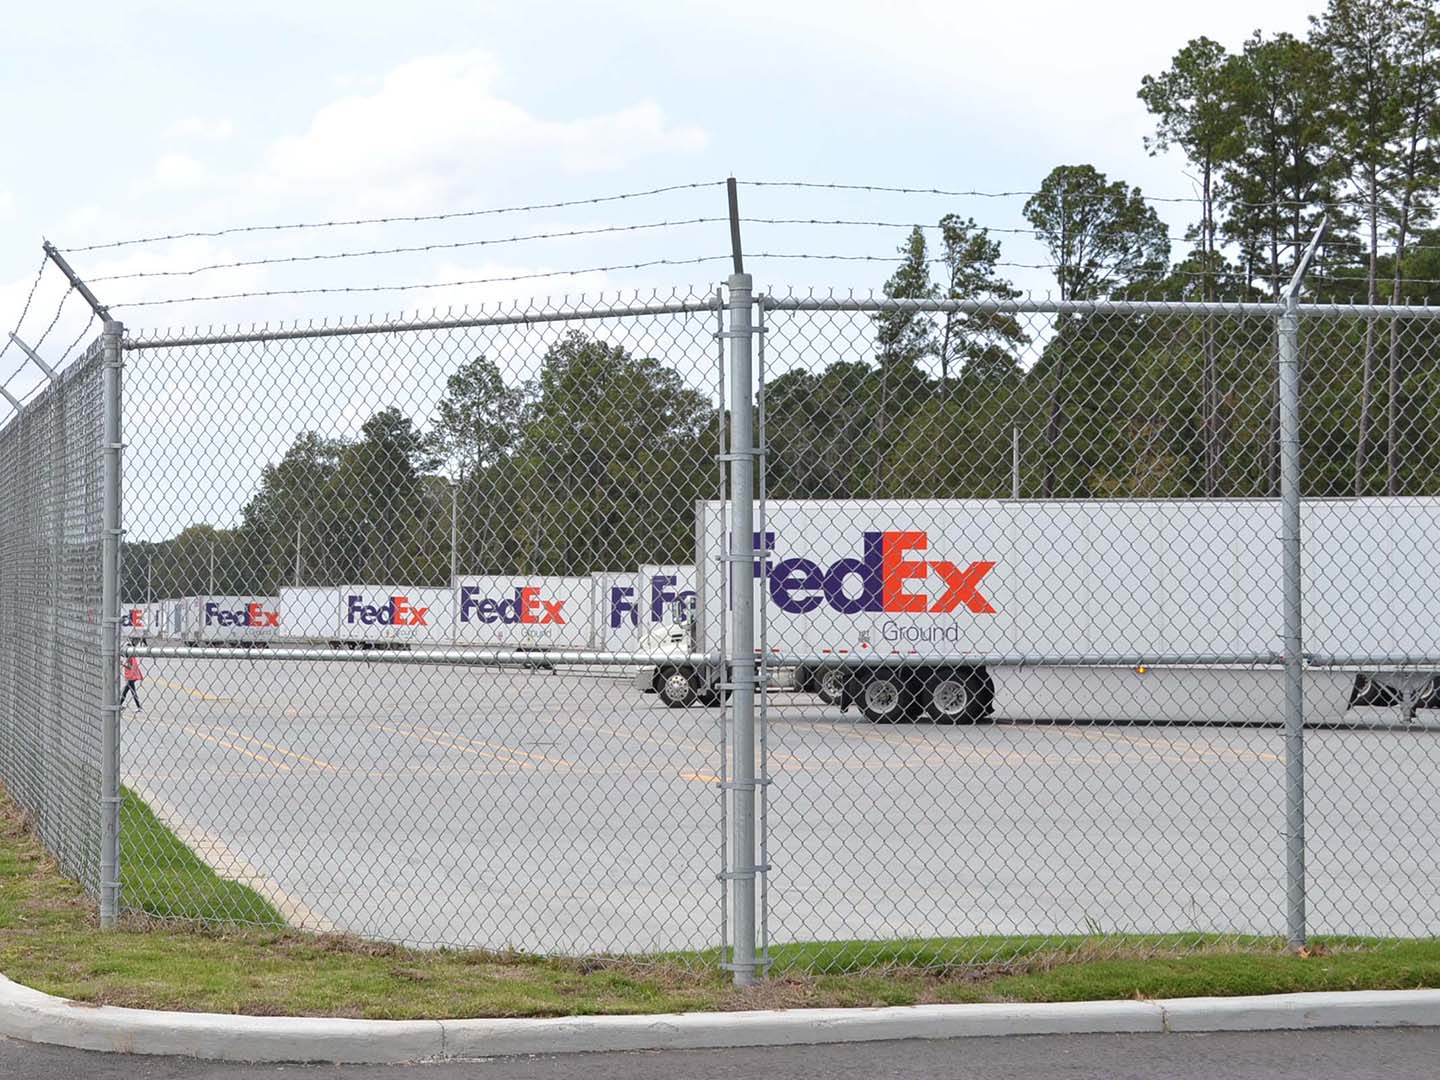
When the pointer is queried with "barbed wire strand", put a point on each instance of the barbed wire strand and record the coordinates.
(41, 340)
(977, 194)
(84, 330)
(405, 250)
(29, 298)
(411, 286)
(60, 307)
(863, 222)
(1170, 272)
(698, 260)
(395, 218)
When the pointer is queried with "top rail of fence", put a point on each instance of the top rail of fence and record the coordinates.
(528, 312)
(1090, 307)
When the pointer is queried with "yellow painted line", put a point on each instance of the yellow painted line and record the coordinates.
(317, 762)
(492, 745)
(1170, 746)
(450, 744)
(201, 694)
(699, 777)
(280, 765)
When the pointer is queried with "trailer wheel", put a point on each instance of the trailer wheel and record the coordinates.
(830, 685)
(882, 698)
(677, 687)
(957, 696)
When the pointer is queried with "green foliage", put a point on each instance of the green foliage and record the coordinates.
(905, 337)
(1101, 236)
(162, 877)
(477, 420)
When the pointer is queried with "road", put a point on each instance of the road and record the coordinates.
(1314, 1055)
(568, 812)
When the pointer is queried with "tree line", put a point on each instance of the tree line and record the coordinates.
(598, 461)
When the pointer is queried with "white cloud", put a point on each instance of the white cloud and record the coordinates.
(7, 204)
(436, 124)
(195, 127)
(179, 172)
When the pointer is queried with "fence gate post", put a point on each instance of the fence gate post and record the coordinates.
(742, 627)
(1288, 385)
(110, 629)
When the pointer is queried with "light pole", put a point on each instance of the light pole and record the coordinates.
(455, 526)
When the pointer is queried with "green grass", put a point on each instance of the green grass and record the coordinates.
(162, 877)
(49, 939)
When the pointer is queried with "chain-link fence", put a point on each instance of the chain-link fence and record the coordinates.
(399, 564)
(449, 628)
(52, 671)
(1048, 540)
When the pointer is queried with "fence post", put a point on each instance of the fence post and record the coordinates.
(1288, 374)
(742, 627)
(1287, 377)
(110, 629)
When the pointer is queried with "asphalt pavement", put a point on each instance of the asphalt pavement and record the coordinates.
(568, 812)
(1310, 1055)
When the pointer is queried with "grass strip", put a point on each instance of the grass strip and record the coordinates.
(49, 939)
(161, 876)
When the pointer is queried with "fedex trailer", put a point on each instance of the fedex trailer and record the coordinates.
(1150, 610)
(310, 615)
(137, 622)
(658, 592)
(230, 620)
(614, 611)
(395, 615)
(541, 612)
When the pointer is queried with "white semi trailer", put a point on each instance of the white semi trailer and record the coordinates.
(1151, 610)
(230, 620)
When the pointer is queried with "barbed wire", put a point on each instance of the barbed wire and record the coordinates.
(84, 330)
(59, 308)
(1173, 271)
(864, 222)
(405, 250)
(394, 218)
(29, 298)
(1028, 193)
(411, 286)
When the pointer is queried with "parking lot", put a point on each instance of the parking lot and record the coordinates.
(565, 811)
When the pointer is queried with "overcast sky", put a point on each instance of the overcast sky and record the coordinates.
(142, 117)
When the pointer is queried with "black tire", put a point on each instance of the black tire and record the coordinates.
(829, 685)
(883, 698)
(958, 695)
(950, 696)
(678, 687)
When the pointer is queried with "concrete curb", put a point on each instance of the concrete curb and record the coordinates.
(36, 1017)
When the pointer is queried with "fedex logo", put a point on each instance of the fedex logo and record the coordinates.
(663, 593)
(249, 615)
(397, 611)
(888, 574)
(622, 606)
(134, 617)
(526, 606)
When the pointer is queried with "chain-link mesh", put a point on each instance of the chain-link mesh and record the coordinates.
(437, 626)
(402, 567)
(50, 598)
(1034, 552)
